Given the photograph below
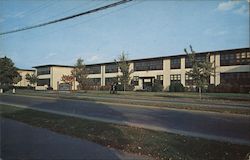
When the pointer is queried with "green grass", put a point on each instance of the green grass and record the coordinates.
(125, 99)
(159, 145)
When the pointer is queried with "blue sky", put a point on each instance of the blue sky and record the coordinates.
(140, 28)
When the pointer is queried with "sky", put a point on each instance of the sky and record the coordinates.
(141, 29)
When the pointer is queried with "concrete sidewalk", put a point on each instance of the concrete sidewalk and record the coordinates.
(21, 141)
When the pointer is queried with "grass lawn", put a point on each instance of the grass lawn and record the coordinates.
(159, 145)
(152, 99)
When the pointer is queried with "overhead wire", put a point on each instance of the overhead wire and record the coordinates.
(68, 17)
(87, 20)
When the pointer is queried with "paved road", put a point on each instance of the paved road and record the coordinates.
(21, 141)
(234, 128)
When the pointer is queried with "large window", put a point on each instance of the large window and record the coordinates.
(110, 80)
(175, 63)
(234, 58)
(111, 68)
(175, 78)
(136, 80)
(240, 78)
(199, 58)
(159, 78)
(188, 80)
(43, 70)
(94, 69)
(95, 81)
(146, 65)
(43, 82)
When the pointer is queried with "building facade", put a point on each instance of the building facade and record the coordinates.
(24, 82)
(231, 66)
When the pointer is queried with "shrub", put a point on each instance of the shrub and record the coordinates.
(211, 88)
(227, 88)
(157, 87)
(128, 87)
(176, 87)
(105, 88)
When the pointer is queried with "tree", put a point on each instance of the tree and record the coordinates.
(32, 79)
(67, 79)
(200, 71)
(8, 72)
(17, 79)
(123, 64)
(80, 73)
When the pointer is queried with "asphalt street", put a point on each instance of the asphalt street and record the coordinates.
(226, 127)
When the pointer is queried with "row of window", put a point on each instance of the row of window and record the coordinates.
(148, 65)
(228, 59)
(43, 70)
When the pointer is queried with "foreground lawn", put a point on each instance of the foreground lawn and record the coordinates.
(159, 145)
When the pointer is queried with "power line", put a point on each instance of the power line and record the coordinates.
(67, 18)
(88, 20)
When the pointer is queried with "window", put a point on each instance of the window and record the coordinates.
(240, 78)
(94, 69)
(159, 79)
(43, 82)
(175, 78)
(111, 68)
(43, 70)
(95, 81)
(175, 63)
(188, 80)
(136, 80)
(234, 58)
(110, 80)
(199, 58)
(146, 65)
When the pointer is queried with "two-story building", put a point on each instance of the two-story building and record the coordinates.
(230, 66)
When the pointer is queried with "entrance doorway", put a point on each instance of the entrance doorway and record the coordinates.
(147, 83)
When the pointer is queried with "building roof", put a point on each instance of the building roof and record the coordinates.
(153, 58)
(19, 69)
(52, 65)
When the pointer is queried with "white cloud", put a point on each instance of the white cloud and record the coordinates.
(225, 6)
(236, 6)
(242, 10)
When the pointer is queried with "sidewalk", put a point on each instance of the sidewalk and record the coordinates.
(21, 141)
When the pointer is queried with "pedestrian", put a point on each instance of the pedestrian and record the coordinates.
(111, 89)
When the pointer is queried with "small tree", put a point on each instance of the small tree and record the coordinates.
(200, 71)
(32, 79)
(17, 79)
(123, 64)
(80, 73)
(8, 73)
(67, 79)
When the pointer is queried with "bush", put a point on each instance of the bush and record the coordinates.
(157, 87)
(211, 88)
(25, 87)
(105, 88)
(128, 87)
(176, 87)
(228, 88)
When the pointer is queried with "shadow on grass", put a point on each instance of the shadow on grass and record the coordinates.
(136, 140)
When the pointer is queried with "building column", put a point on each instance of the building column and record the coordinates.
(183, 71)
(217, 69)
(103, 75)
(166, 74)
